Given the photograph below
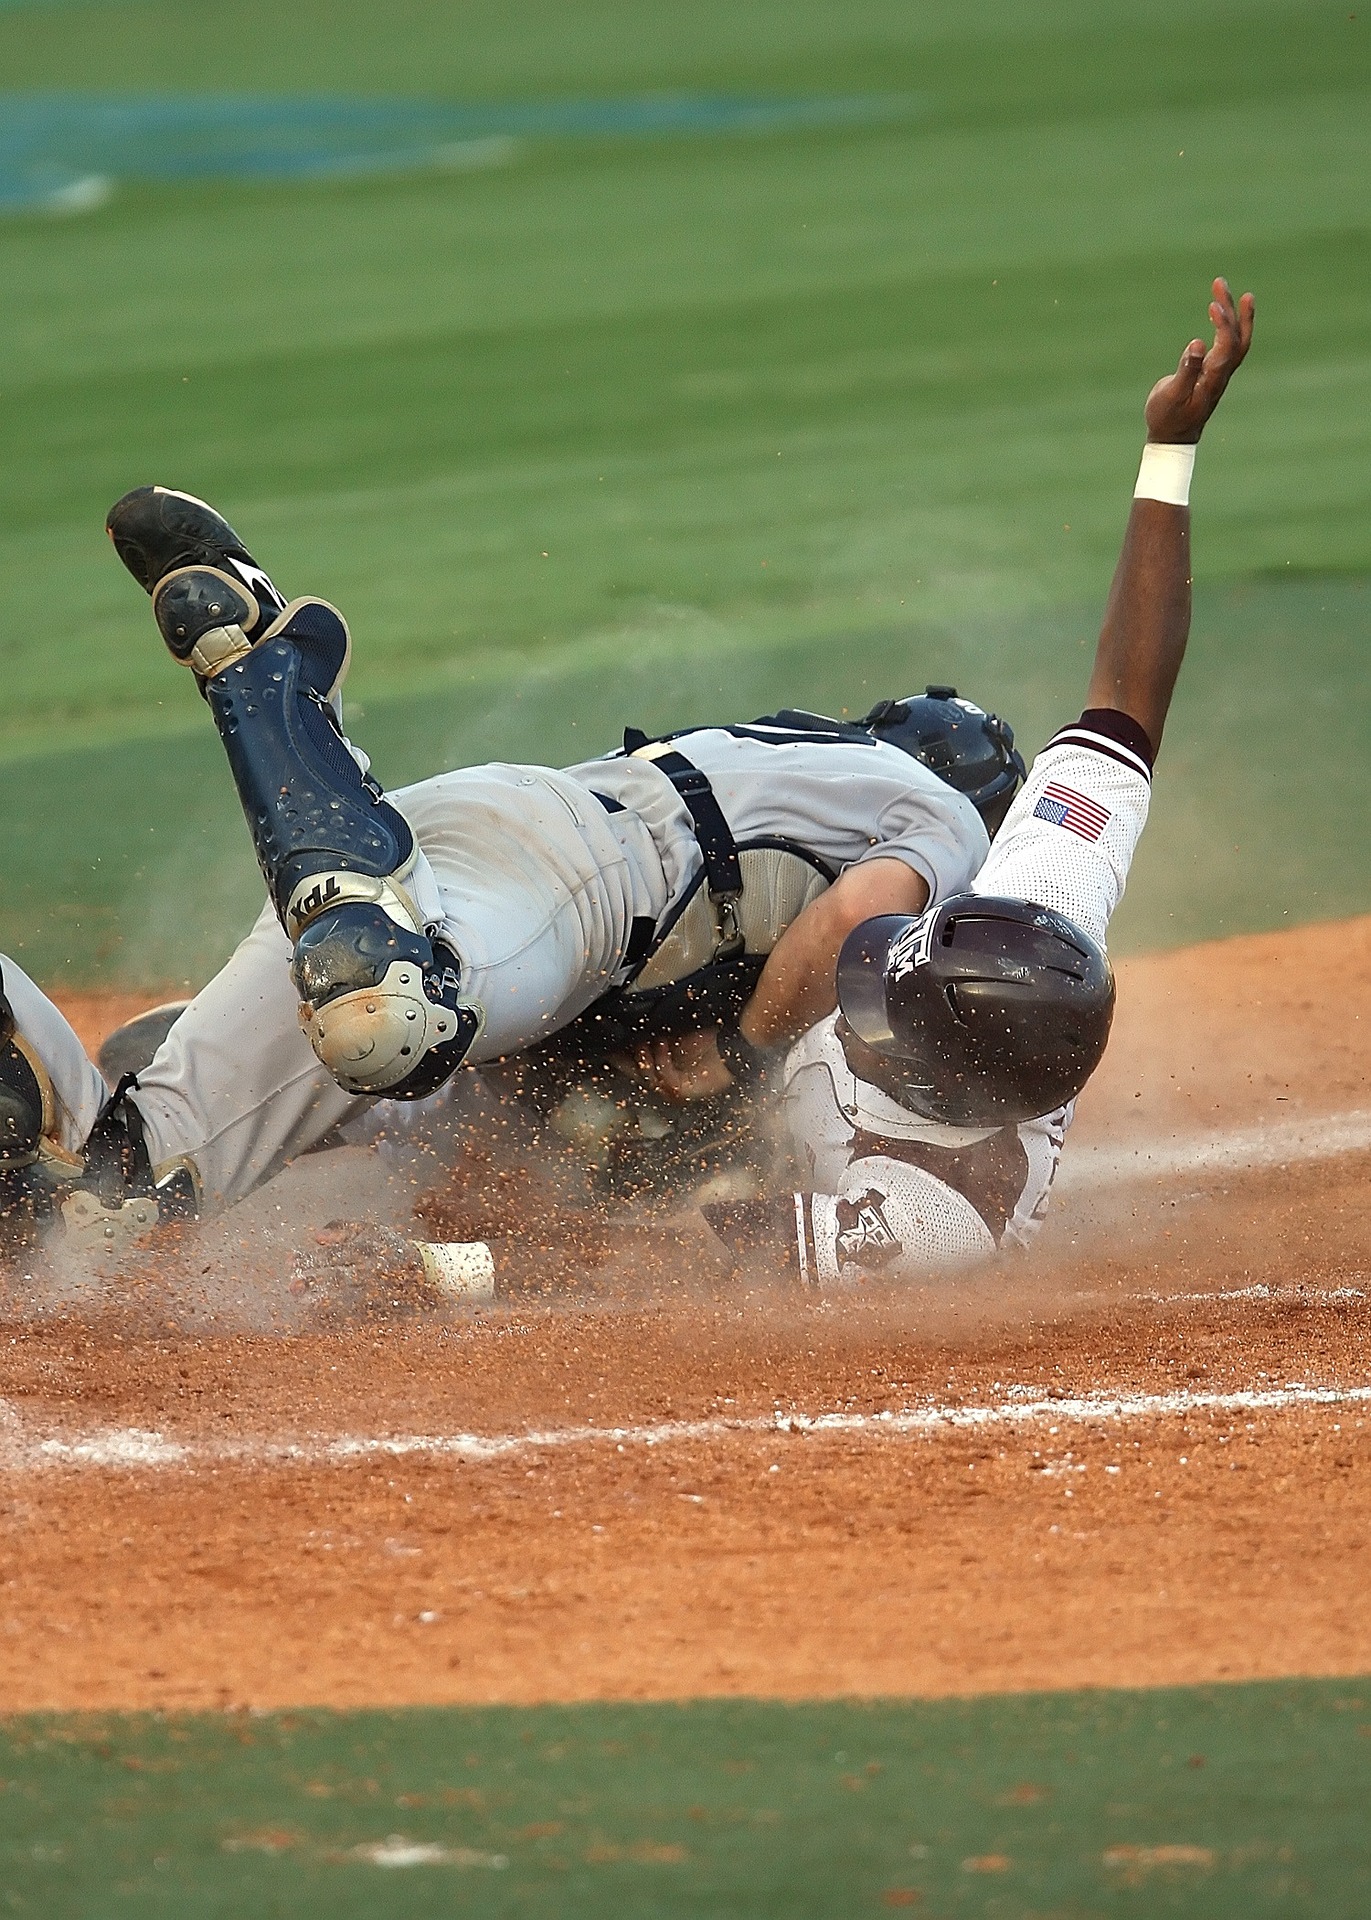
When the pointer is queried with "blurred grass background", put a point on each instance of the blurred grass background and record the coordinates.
(655, 429)
(1233, 1802)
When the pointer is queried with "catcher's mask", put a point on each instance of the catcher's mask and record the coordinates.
(986, 1011)
(971, 749)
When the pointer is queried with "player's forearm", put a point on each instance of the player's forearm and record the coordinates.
(798, 987)
(1147, 621)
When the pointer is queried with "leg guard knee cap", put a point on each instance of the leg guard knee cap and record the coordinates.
(27, 1105)
(381, 1009)
(24, 1109)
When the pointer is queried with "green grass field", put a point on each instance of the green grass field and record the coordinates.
(665, 428)
(1239, 1801)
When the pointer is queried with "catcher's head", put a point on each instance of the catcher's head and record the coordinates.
(980, 1012)
(971, 749)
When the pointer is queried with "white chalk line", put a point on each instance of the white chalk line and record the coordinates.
(1284, 1143)
(1282, 1296)
(1292, 1141)
(134, 1447)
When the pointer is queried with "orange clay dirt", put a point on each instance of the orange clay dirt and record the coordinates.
(1181, 1538)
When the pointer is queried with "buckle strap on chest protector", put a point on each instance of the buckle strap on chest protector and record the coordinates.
(718, 848)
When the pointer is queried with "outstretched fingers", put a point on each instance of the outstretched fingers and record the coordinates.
(1181, 403)
(1247, 313)
(1232, 337)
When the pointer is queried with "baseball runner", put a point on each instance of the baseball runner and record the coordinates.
(928, 1112)
(701, 884)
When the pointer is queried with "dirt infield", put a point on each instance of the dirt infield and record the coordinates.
(1142, 1457)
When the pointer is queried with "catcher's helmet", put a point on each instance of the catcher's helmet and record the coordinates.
(972, 750)
(987, 1011)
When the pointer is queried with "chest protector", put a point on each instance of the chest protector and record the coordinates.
(698, 967)
(776, 883)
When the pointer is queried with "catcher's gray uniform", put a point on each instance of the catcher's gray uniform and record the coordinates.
(535, 884)
(904, 1195)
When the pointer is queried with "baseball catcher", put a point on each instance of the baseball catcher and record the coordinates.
(694, 888)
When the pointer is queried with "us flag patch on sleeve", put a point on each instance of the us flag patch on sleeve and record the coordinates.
(1062, 806)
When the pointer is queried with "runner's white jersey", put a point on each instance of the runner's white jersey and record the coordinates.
(1068, 840)
(887, 1187)
(888, 1191)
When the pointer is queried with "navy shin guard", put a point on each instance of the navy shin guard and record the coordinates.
(381, 1006)
(323, 831)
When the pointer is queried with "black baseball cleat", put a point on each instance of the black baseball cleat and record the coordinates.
(157, 531)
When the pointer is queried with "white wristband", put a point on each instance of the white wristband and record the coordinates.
(1165, 473)
(459, 1270)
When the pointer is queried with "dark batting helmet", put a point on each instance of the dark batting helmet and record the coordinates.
(972, 750)
(984, 1011)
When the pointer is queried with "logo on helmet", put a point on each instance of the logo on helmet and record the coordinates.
(913, 948)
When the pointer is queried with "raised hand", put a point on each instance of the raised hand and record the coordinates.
(1179, 406)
